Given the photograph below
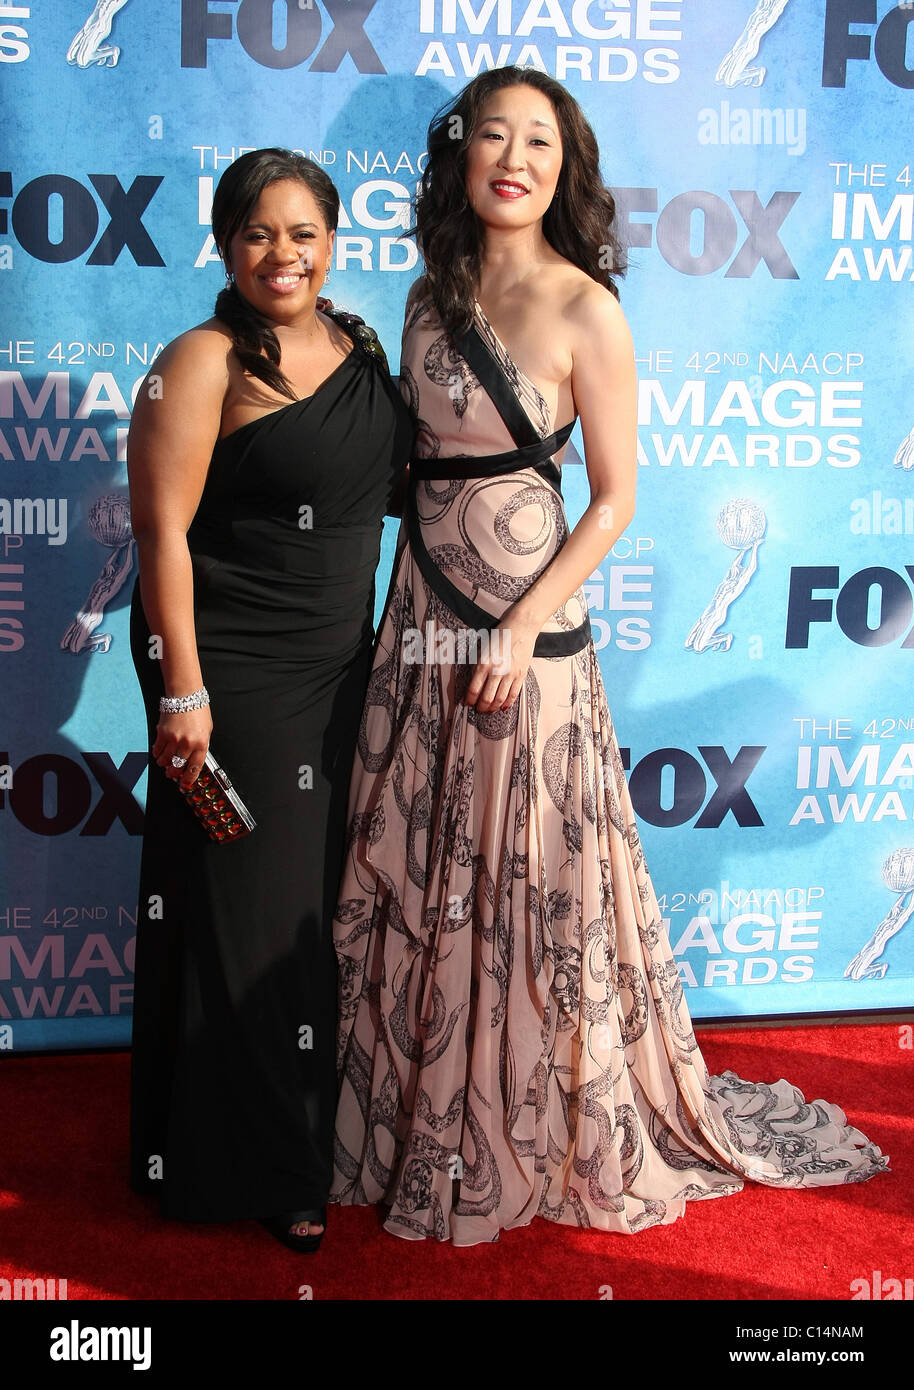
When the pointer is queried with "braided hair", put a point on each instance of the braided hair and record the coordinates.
(237, 192)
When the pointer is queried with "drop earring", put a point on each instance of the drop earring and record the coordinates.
(326, 275)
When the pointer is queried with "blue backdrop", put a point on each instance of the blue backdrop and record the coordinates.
(754, 624)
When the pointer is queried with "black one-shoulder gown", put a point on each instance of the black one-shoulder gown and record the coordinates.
(234, 1028)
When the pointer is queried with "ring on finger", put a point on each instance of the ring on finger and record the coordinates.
(177, 761)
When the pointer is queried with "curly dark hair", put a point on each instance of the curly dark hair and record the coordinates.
(237, 192)
(579, 222)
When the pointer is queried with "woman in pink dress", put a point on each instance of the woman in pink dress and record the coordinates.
(514, 1041)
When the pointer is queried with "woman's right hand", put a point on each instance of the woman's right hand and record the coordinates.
(185, 735)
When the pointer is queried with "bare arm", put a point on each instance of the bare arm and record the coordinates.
(603, 381)
(175, 424)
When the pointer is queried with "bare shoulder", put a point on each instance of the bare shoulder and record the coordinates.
(417, 290)
(186, 385)
(596, 317)
(201, 354)
(415, 299)
(416, 304)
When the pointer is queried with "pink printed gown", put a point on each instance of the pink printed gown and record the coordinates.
(513, 1040)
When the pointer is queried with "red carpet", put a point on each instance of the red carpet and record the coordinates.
(66, 1211)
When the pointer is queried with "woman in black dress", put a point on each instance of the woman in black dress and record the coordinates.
(265, 447)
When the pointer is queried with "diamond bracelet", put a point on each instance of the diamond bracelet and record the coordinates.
(180, 704)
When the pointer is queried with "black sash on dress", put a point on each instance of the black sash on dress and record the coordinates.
(531, 452)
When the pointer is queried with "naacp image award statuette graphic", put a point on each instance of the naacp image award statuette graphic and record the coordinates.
(904, 455)
(90, 47)
(109, 522)
(897, 874)
(734, 70)
(741, 525)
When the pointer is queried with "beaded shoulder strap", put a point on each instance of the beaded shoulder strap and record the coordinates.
(360, 333)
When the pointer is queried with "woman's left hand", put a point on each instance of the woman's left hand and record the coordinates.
(498, 679)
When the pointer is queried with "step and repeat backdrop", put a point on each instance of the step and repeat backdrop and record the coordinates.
(755, 624)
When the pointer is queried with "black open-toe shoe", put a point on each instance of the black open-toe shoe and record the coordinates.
(278, 1226)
